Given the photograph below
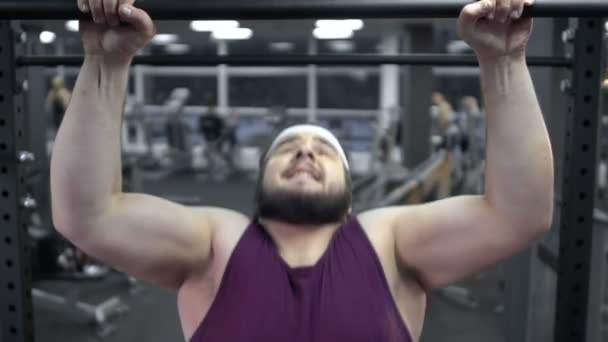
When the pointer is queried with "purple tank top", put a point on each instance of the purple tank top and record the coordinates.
(343, 297)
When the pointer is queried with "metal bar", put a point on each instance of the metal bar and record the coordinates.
(262, 60)
(297, 9)
(577, 295)
(16, 321)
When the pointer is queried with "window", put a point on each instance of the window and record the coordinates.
(352, 88)
(280, 88)
(203, 89)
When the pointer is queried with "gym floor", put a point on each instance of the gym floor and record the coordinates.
(152, 314)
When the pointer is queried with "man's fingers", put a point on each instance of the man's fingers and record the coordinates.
(110, 8)
(138, 18)
(97, 10)
(517, 8)
(477, 10)
(503, 10)
(83, 5)
(492, 12)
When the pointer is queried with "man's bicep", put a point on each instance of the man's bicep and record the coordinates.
(149, 237)
(446, 241)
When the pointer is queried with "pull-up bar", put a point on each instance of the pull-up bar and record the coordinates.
(259, 60)
(297, 9)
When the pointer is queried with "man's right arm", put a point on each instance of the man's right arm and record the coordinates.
(151, 238)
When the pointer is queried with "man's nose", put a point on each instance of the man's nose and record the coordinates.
(305, 152)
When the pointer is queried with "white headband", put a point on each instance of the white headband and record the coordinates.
(310, 129)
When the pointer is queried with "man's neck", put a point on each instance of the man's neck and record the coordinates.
(300, 245)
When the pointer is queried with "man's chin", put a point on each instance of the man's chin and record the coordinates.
(302, 206)
(308, 185)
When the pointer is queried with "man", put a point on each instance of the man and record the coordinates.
(57, 101)
(304, 269)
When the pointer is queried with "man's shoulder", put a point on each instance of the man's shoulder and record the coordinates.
(225, 224)
(385, 219)
(226, 227)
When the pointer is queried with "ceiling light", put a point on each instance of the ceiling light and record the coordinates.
(341, 46)
(282, 46)
(333, 33)
(213, 25)
(177, 49)
(164, 39)
(72, 25)
(458, 47)
(353, 24)
(47, 37)
(238, 33)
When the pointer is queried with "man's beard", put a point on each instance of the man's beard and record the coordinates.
(302, 208)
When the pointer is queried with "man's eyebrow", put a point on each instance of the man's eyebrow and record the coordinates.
(287, 141)
(326, 143)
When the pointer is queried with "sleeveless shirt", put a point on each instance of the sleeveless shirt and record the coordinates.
(343, 297)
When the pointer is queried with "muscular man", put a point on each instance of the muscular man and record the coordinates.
(304, 268)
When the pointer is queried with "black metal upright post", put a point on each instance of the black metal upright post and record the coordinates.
(575, 288)
(15, 281)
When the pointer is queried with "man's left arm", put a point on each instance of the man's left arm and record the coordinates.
(448, 240)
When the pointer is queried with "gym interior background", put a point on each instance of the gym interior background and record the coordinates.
(193, 134)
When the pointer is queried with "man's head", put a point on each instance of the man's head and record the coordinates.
(304, 178)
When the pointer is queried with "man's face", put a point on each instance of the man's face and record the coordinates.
(304, 182)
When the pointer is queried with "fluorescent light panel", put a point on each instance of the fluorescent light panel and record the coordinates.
(47, 37)
(239, 33)
(330, 32)
(72, 25)
(177, 49)
(212, 25)
(353, 24)
(164, 39)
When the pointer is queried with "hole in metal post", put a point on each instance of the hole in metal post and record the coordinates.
(585, 147)
(584, 172)
(587, 98)
(580, 243)
(580, 219)
(8, 240)
(586, 123)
